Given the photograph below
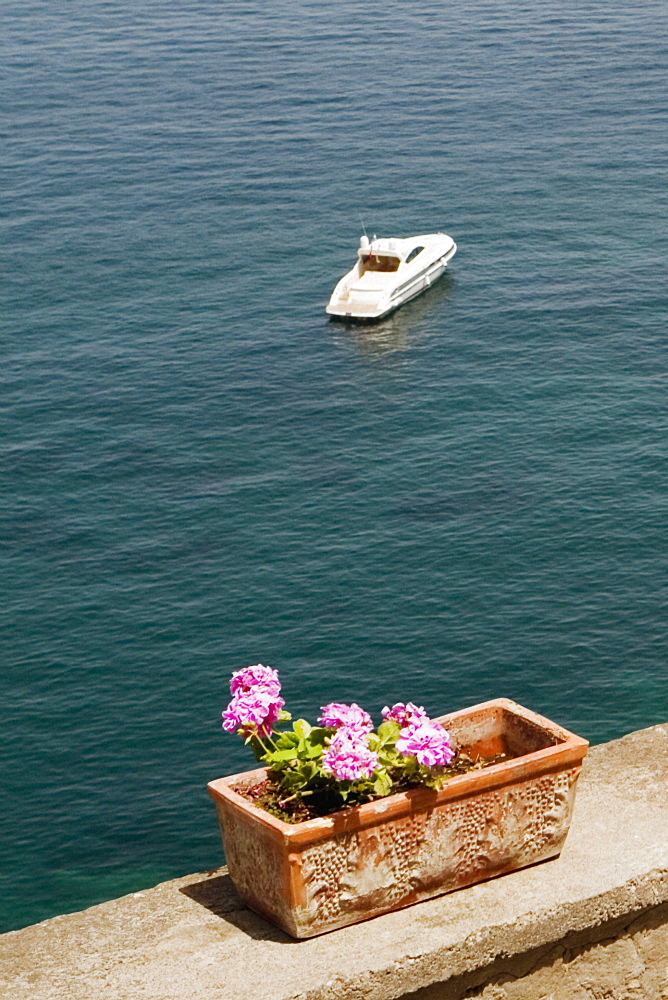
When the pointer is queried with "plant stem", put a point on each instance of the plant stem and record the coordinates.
(297, 795)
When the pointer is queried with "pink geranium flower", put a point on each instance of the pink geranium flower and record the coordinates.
(252, 712)
(257, 677)
(348, 757)
(428, 742)
(340, 716)
(405, 715)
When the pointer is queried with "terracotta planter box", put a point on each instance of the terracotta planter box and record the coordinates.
(325, 873)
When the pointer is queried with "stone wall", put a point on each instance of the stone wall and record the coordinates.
(623, 961)
(589, 925)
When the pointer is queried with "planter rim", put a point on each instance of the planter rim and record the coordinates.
(568, 751)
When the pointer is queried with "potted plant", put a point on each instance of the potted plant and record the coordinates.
(344, 822)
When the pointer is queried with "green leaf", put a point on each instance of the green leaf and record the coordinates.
(389, 757)
(302, 728)
(382, 785)
(289, 754)
(318, 735)
(388, 731)
(292, 780)
(286, 740)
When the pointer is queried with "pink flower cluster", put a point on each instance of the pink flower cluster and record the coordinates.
(348, 756)
(256, 707)
(429, 743)
(256, 702)
(340, 716)
(258, 676)
(405, 715)
(420, 736)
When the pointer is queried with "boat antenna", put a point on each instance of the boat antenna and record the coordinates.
(362, 221)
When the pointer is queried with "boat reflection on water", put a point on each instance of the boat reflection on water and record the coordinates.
(401, 330)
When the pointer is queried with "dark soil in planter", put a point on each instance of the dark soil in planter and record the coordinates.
(268, 795)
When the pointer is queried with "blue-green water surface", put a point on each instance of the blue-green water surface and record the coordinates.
(200, 471)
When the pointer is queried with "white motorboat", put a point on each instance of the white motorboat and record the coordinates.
(389, 272)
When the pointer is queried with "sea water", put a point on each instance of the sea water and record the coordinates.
(201, 471)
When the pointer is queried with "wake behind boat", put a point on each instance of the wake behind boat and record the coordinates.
(389, 272)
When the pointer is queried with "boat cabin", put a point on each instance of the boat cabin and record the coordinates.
(384, 255)
(379, 262)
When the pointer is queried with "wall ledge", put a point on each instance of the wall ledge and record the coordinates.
(192, 937)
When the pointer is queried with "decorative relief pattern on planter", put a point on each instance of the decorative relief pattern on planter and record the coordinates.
(325, 873)
(452, 846)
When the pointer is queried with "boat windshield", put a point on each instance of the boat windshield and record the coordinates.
(379, 262)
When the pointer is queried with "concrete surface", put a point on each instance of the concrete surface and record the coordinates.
(631, 966)
(191, 938)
